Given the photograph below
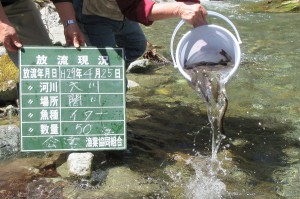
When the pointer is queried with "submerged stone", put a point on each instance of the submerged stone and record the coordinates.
(46, 188)
(117, 182)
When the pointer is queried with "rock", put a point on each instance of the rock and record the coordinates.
(53, 24)
(275, 6)
(132, 84)
(46, 188)
(57, 35)
(62, 170)
(9, 111)
(9, 140)
(9, 96)
(116, 182)
(49, 16)
(98, 177)
(140, 66)
(2, 50)
(121, 180)
(80, 164)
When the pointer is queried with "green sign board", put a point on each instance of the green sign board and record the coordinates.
(72, 99)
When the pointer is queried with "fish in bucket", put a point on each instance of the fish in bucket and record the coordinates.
(207, 44)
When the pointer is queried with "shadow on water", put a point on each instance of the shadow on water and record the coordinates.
(255, 149)
(262, 145)
(260, 153)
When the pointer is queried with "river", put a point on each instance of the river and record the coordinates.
(262, 121)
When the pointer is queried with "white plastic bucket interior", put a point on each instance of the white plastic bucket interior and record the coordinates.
(205, 43)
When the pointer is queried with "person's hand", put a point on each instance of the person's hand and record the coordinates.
(193, 13)
(74, 36)
(9, 38)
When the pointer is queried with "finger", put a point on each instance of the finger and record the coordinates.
(17, 43)
(204, 15)
(201, 17)
(76, 42)
(10, 46)
(197, 20)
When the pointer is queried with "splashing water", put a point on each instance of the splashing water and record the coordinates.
(205, 183)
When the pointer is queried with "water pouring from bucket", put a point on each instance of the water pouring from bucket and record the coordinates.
(208, 56)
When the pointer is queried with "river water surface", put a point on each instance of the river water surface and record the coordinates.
(260, 156)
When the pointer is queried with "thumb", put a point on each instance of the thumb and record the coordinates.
(18, 44)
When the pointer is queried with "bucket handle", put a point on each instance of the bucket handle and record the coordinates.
(210, 13)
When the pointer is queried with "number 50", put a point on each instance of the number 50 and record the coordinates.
(83, 129)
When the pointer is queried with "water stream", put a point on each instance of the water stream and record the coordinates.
(207, 79)
(208, 82)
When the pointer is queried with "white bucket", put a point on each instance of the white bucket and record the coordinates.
(205, 43)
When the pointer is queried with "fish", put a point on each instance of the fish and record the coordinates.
(223, 62)
(201, 70)
(206, 80)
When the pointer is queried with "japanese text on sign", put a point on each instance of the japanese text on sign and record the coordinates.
(72, 99)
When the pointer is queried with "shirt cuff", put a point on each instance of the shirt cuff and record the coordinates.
(143, 10)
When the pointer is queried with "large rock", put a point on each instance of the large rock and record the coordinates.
(53, 24)
(9, 140)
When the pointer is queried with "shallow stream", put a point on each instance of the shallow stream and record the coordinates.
(262, 123)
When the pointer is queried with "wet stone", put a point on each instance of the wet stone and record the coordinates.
(117, 182)
(139, 66)
(46, 188)
(98, 177)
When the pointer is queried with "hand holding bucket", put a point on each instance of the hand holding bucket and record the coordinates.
(204, 44)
